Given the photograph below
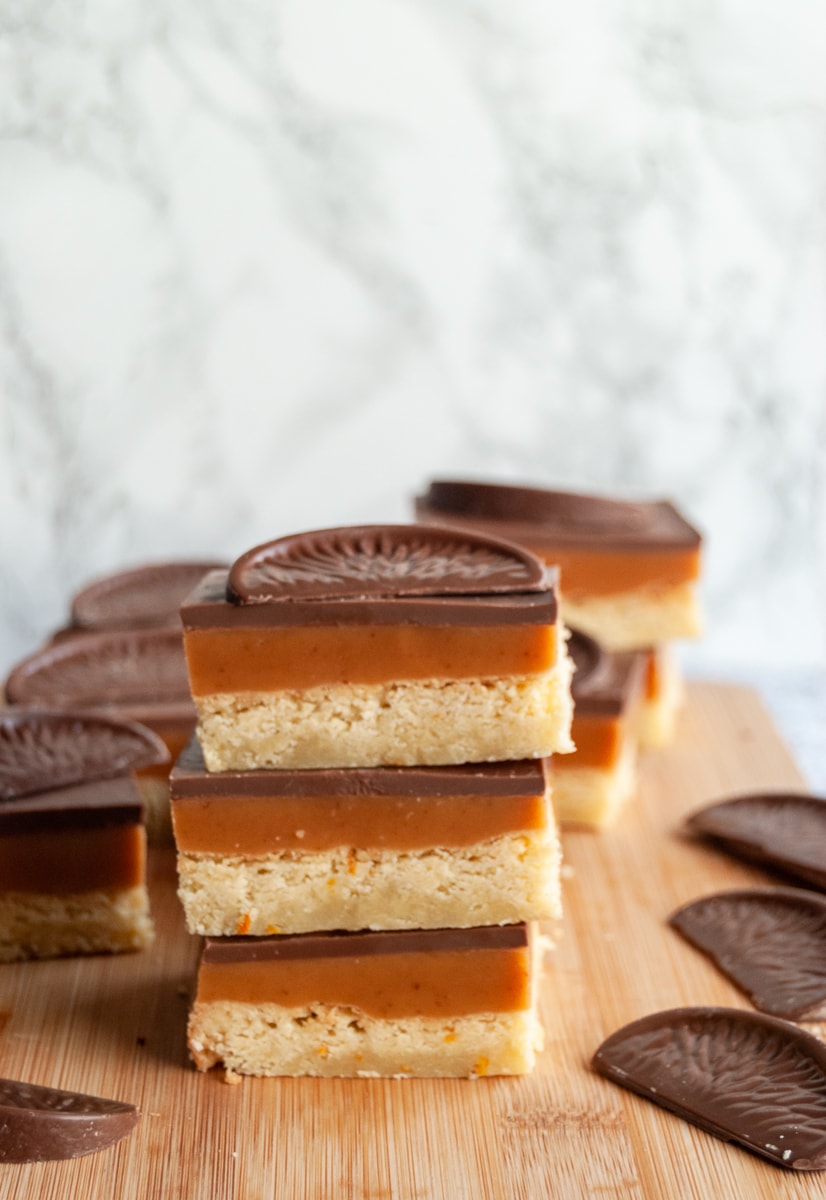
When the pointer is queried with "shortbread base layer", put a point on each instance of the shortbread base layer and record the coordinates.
(593, 797)
(497, 882)
(636, 619)
(427, 723)
(38, 925)
(326, 1040)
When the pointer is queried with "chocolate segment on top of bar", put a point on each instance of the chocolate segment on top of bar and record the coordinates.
(375, 646)
(544, 520)
(146, 595)
(42, 751)
(607, 687)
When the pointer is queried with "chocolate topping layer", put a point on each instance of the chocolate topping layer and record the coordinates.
(40, 1124)
(146, 595)
(526, 777)
(771, 942)
(381, 562)
(41, 751)
(360, 945)
(741, 1076)
(567, 518)
(784, 831)
(603, 681)
(207, 608)
(124, 668)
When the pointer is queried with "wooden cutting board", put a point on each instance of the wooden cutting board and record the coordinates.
(116, 1027)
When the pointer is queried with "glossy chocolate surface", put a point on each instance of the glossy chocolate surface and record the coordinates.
(360, 945)
(744, 1077)
(125, 669)
(783, 831)
(535, 515)
(90, 805)
(381, 562)
(44, 751)
(150, 594)
(771, 942)
(42, 1124)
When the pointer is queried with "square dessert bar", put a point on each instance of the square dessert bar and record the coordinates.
(445, 1002)
(378, 646)
(591, 786)
(72, 841)
(281, 852)
(628, 569)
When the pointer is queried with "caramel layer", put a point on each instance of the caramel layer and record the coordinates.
(254, 659)
(73, 860)
(602, 572)
(254, 825)
(417, 984)
(598, 739)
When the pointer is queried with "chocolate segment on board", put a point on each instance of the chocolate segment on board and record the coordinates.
(784, 831)
(742, 1076)
(145, 595)
(381, 561)
(41, 1124)
(771, 942)
(42, 751)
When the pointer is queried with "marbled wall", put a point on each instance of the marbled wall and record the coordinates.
(266, 266)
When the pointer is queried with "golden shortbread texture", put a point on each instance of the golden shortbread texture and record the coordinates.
(40, 925)
(592, 797)
(636, 619)
(427, 723)
(268, 1039)
(504, 880)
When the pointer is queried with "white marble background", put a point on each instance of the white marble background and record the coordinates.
(269, 266)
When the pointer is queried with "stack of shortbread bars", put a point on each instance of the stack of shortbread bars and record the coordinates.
(364, 828)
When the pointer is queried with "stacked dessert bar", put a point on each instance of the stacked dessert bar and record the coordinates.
(628, 576)
(363, 822)
(628, 569)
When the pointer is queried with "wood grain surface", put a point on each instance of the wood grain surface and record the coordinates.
(116, 1027)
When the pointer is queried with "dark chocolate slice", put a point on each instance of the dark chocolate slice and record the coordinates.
(381, 561)
(742, 1076)
(364, 944)
(42, 750)
(771, 942)
(41, 1124)
(571, 518)
(784, 831)
(144, 595)
(110, 668)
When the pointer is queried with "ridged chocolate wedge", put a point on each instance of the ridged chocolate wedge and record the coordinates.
(41, 1124)
(744, 1077)
(771, 942)
(784, 831)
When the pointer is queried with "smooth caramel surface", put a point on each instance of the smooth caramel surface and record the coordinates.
(598, 739)
(599, 573)
(252, 659)
(73, 860)
(256, 825)
(418, 984)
